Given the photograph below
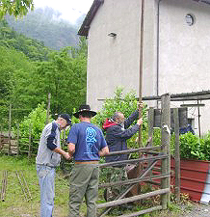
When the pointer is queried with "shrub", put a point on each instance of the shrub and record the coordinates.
(37, 120)
(126, 104)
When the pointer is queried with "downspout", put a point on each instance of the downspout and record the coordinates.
(158, 48)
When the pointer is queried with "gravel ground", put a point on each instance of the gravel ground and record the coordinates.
(196, 210)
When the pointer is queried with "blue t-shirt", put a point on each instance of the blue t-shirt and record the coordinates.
(88, 140)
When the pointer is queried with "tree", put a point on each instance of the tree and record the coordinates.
(63, 75)
(14, 7)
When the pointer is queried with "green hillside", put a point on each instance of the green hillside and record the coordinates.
(33, 49)
(45, 25)
(29, 71)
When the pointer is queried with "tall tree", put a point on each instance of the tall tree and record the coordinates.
(63, 75)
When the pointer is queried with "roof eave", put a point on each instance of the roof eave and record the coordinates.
(83, 31)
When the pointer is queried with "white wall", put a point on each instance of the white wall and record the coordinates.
(185, 51)
(115, 61)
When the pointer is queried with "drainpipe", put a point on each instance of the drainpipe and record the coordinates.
(158, 48)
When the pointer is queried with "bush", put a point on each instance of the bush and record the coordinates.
(127, 105)
(191, 147)
(37, 120)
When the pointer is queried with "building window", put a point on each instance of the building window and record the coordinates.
(190, 20)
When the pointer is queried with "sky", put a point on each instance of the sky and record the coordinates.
(71, 9)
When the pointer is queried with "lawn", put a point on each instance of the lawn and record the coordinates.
(15, 204)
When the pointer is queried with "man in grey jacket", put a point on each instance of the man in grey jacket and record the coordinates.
(48, 157)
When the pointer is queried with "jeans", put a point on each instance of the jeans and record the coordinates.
(46, 176)
(83, 183)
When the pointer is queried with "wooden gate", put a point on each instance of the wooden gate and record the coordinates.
(151, 155)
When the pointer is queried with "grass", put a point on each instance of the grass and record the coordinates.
(15, 204)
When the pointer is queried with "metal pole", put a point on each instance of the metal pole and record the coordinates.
(199, 120)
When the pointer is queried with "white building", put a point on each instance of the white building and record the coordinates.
(176, 49)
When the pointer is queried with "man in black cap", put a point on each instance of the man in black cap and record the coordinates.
(48, 157)
(86, 144)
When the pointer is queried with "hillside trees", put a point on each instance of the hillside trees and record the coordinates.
(45, 25)
(32, 48)
(16, 8)
(63, 75)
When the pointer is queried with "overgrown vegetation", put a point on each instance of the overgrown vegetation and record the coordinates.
(29, 71)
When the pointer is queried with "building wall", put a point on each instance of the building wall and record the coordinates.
(114, 62)
(184, 52)
(177, 52)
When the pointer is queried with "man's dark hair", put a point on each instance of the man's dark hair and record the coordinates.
(86, 114)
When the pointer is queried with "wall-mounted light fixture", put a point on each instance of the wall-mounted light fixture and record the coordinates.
(112, 34)
(190, 19)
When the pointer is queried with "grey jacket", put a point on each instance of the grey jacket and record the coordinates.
(50, 139)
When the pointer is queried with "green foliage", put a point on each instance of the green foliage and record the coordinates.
(191, 147)
(11, 62)
(126, 104)
(62, 75)
(32, 48)
(42, 23)
(206, 146)
(35, 121)
(16, 8)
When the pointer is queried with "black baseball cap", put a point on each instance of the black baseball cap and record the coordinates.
(66, 117)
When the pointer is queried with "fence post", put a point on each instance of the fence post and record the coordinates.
(29, 148)
(150, 123)
(177, 155)
(18, 137)
(165, 123)
(0, 137)
(9, 133)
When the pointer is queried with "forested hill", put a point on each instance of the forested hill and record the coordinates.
(32, 48)
(44, 25)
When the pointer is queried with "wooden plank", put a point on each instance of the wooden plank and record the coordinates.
(29, 144)
(177, 155)
(132, 181)
(165, 123)
(155, 208)
(124, 162)
(128, 188)
(9, 132)
(134, 198)
(146, 149)
(18, 137)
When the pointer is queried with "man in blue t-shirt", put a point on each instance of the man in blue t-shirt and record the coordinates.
(86, 144)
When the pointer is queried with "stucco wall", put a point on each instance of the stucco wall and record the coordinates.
(114, 62)
(184, 51)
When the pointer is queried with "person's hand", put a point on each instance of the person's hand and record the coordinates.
(139, 121)
(67, 156)
(140, 105)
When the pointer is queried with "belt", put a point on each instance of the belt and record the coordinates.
(87, 162)
(46, 165)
